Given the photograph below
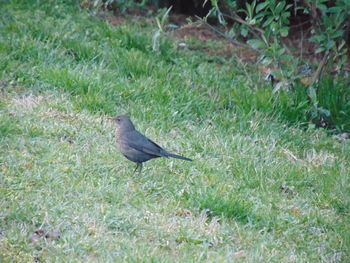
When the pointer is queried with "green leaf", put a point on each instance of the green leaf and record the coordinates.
(166, 16)
(284, 16)
(286, 57)
(330, 44)
(261, 6)
(268, 21)
(280, 51)
(274, 26)
(338, 33)
(280, 6)
(159, 24)
(256, 43)
(319, 50)
(335, 9)
(317, 38)
(322, 7)
(265, 38)
(244, 31)
(306, 11)
(284, 31)
(266, 61)
(263, 14)
(252, 22)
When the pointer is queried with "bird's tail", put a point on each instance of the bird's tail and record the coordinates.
(177, 156)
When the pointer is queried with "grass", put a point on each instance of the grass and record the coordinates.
(257, 184)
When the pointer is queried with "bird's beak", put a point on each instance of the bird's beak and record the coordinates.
(111, 118)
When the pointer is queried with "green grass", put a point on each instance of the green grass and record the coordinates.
(65, 71)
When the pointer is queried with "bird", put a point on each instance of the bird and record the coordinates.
(135, 146)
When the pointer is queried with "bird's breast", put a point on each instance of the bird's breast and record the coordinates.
(117, 134)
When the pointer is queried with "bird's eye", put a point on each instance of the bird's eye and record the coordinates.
(118, 120)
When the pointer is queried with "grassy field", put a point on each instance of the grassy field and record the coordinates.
(258, 190)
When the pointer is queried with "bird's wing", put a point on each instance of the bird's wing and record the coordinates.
(141, 143)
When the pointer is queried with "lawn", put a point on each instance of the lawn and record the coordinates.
(260, 189)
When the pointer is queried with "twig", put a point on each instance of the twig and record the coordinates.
(253, 28)
(300, 24)
(317, 73)
(235, 42)
(233, 15)
(313, 9)
(286, 48)
(301, 42)
(241, 21)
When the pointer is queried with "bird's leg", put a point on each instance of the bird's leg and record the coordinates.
(139, 167)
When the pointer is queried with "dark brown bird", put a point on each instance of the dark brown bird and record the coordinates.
(135, 146)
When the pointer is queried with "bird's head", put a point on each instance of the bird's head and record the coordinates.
(123, 122)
